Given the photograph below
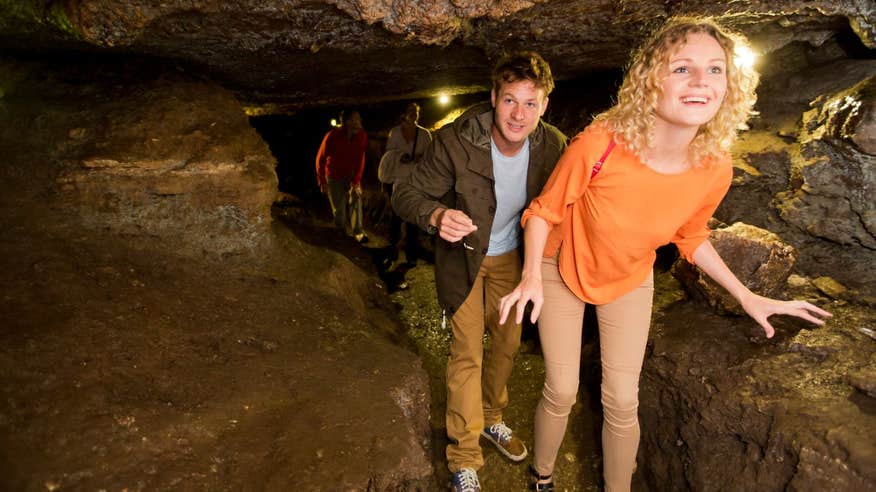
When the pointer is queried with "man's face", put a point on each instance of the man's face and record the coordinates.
(518, 107)
(354, 122)
(412, 114)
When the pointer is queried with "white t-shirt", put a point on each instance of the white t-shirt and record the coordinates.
(510, 186)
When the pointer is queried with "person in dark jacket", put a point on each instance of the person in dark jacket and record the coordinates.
(470, 188)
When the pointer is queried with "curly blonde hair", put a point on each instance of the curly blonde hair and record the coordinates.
(632, 118)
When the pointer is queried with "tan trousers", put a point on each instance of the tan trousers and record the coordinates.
(345, 204)
(477, 377)
(623, 332)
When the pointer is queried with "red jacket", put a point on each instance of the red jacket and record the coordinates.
(341, 159)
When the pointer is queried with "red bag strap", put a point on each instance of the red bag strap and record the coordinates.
(598, 165)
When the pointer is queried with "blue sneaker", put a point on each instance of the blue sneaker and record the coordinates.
(465, 480)
(503, 437)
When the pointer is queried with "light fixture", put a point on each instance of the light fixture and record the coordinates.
(744, 56)
(443, 99)
(334, 122)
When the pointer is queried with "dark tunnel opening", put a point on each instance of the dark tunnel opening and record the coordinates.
(294, 139)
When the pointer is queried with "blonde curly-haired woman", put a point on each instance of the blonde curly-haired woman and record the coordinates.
(650, 170)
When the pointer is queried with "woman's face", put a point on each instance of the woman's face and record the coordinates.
(694, 83)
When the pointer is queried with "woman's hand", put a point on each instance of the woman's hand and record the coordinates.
(529, 289)
(758, 307)
(761, 308)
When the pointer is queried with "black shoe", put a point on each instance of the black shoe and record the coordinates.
(540, 487)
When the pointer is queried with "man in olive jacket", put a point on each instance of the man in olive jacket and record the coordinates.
(478, 175)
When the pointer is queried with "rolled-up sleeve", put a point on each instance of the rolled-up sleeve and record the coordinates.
(690, 235)
(566, 184)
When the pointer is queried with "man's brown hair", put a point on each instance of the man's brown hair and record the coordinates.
(523, 65)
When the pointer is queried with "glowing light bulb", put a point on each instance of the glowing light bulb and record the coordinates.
(443, 99)
(334, 122)
(744, 56)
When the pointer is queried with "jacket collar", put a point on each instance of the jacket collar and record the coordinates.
(475, 126)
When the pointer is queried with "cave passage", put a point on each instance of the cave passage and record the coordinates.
(294, 139)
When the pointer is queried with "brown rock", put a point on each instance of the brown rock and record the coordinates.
(756, 256)
(830, 287)
(303, 53)
(178, 163)
(721, 412)
(849, 115)
(834, 198)
(864, 380)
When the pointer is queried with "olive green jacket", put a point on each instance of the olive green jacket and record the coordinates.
(457, 173)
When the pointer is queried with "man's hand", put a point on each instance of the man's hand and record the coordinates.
(452, 224)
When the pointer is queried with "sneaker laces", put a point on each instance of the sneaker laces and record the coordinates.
(502, 431)
(468, 480)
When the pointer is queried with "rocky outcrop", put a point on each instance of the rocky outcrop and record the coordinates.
(759, 258)
(136, 369)
(837, 169)
(126, 365)
(306, 53)
(174, 161)
(722, 409)
(804, 171)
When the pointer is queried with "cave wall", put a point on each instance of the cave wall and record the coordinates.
(320, 52)
(159, 331)
(166, 160)
(805, 169)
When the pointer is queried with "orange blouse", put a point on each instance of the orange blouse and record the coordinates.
(611, 228)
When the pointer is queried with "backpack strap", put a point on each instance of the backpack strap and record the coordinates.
(598, 165)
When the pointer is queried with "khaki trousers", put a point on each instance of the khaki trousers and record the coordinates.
(477, 377)
(623, 332)
(345, 204)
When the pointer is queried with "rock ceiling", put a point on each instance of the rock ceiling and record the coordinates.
(305, 53)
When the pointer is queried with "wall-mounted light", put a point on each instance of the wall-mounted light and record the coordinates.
(744, 56)
(443, 99)
(334, 122)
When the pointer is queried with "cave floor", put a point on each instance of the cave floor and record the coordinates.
(120, 368)
(579, 461)
(128, 369)
(578, 466)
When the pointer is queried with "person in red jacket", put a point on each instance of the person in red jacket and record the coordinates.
(339, 165)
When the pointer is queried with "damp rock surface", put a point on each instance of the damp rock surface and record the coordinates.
(133, 360)
(759, 258)
(304, 53)
(723, 408)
